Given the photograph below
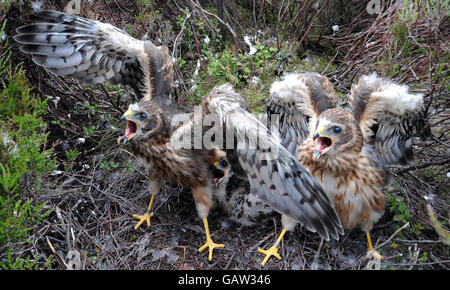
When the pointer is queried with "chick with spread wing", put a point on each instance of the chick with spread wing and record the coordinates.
(348, 151)
(95, 52)
(274, 175)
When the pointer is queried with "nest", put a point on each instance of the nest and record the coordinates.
(92, 200)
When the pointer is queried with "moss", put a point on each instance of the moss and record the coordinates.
(23, 154)
(23, 133)
(256, 99)
(433, 174)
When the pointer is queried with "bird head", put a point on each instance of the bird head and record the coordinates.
(336, 132)
(221, 170)
(143, 119)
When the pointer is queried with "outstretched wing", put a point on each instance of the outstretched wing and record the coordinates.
(387, 114)
(274, 174)
(297, 100)
(95, 52)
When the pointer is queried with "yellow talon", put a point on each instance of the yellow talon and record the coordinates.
(143, 218)
(272, 251)
(371, 253)
(146, 217)
(374, 255)
(209, 243)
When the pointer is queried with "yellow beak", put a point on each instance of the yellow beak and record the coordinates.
(128, 114)
(320, 130)
(321, 150)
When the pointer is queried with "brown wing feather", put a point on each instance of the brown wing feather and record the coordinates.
(297, 101)
(387, 114)
(274, 174)
(95, 52)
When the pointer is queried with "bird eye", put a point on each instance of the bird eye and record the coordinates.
(337, 130)
(223, 163)
(143, 116)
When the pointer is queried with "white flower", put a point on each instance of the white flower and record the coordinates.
(206, 40)
(197, 68)
(253, 50)
(335, 29)
(429, 197)
(55, 100)
(36, 6)
(193, 88)
(255, 80)
(81, 140)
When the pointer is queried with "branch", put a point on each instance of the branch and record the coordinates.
(369, 253)
(178, 36)
(197, 6)
(423, 165)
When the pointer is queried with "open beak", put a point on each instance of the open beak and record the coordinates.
(216, 181)
(130, 130)
(218, 174)
(322, 142)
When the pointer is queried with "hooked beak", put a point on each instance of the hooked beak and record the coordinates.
(218, 174)
(323, 143)
(130, 130)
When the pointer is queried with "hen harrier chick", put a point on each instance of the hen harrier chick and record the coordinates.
(246, 208)
(273, 173)
(96, 52)
(348, 151)
(232, 194)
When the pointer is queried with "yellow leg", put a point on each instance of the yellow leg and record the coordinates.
(370, 252)
(145, 217)
(209, 243)
(272, 251)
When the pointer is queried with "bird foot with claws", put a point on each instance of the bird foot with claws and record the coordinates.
(272, 251)
(143, 218)
(211, 245)
(374, 255)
